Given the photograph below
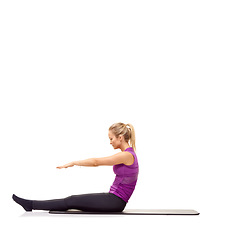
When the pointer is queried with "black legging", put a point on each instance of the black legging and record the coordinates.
(95, 202)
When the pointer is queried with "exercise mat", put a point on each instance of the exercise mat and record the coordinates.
(134, 212)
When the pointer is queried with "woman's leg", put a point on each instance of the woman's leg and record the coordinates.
(96, 202)
(55, 204)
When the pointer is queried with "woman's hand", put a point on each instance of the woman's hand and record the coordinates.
(71, 164)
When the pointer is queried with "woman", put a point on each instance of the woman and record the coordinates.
(125, 166)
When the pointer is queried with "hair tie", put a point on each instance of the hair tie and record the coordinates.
(128, 127)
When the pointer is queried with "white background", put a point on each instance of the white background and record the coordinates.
(70, 69)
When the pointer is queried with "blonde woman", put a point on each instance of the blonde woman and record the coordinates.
(125, 166)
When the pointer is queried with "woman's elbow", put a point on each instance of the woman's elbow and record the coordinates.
(96, 162)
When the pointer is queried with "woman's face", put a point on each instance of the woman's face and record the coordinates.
(115, 142)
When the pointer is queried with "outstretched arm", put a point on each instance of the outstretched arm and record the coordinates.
(122, 157)
(87, 163)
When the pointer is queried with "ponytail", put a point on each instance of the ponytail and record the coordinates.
(132, 138)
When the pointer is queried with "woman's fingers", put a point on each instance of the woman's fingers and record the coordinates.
(60, 167)
(66, 165)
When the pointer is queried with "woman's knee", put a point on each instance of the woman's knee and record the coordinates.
(70, 201)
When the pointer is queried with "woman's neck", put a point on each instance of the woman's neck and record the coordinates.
(124, 146)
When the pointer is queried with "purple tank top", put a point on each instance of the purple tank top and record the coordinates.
(126, 178)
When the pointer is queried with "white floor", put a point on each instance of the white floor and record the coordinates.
(41, 225)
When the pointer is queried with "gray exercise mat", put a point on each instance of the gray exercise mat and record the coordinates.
(135, 212)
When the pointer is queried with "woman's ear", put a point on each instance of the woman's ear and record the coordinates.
(120, 138)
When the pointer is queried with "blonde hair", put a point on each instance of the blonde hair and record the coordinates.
(127, 130)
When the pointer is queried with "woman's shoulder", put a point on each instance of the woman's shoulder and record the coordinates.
(129, 158)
